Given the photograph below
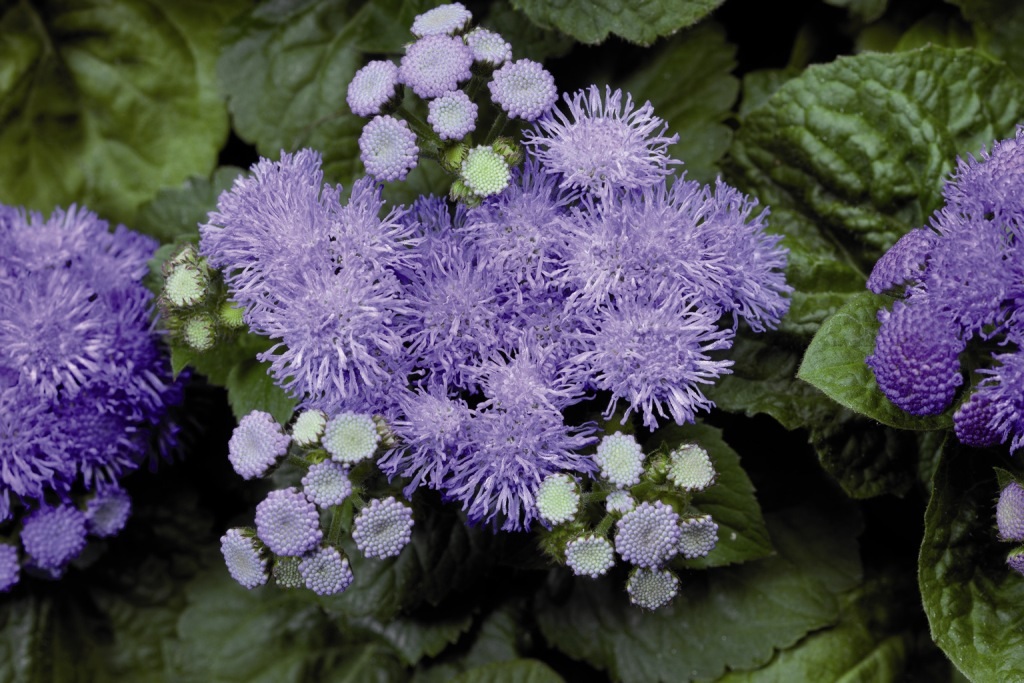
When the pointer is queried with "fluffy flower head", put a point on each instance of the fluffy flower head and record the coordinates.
(621, 459)
(372, 86)
(256, 444)
(326, 572)
(243, 559)
(589, 556)
(288, 523)
(388, 148)
(524, 89)
(648, 536)
(435, 64)
(442, 20)
(558, 499)
(53, 536)
(652, 588)
(383, 528)
(452, 115)
(603, 142)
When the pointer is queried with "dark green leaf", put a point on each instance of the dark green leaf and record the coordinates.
(286, 68)
(514, 671)
(638, 21)
(834, 363)
(972, 599)
(730, 617)
(104, 103)
(868, 645)
(175, 214)
(528, 40)
(742, 535)
(698, 62)
(852, 154)
(415, 639)
(998, 26)
(759, 85)
(251, 388)
(230, 634)
(862, 10)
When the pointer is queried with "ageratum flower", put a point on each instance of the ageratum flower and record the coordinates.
(318, 277)
(960, 278)
(452, 115)
(488, 47)
(603, 143)
(524, 89)
(435, 64)
(372, 87)
(442, 20)
(387, 147)
(84, 381)
(325, 571)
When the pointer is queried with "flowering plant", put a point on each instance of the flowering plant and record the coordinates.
(510, 340)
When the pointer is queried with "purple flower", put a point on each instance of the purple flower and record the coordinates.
(326, 572)
(524, 89)
(653, 354)
(508, 453)
(488, 47)
(435, 64)
(1010, 513)
(372, 87)
(916, 359)
(288, 523)
(107, 512)
(84, 380)
(244, 561)
(10, 567)
(962, 277)
(648, 536)
(652, 588)
(53, 536)
(442, 20)
(387, 147)
(256, 444)
(326, 484)
(452, 115)
(603, 143)
(383, 528)
(589, 556)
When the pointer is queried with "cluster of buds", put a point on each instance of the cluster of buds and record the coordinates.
(298, 530)
(447, 68)
(1010, 521)
(194, 302)
(639, 506)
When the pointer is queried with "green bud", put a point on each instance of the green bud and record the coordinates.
(460, 193)
(453, 156)
(558, 498)
(286, 572)
(309, 427)
(485, 172)
(690, 468)
(185, 286)
(230, 315)
(509, 150)
(200, 332)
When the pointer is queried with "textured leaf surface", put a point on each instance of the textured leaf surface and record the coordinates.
(971, 597)
(868, 644)
(731, 617)
(699, 63)
(104, 103)
(638, 21)
(852, 154)
(834, 363)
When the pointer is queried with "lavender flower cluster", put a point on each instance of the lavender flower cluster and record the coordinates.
(336, 456)
(84, 384)
(640, 497)
(960, 279)
(445, 67)
(470, 328)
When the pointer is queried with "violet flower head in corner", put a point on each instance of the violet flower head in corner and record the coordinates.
(84, 380)
(961, 283)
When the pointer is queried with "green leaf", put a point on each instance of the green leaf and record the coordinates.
(868, 459)
(730, 617)
(742, 534)
(414, 638)
(834, 363)
(698, 62)
(228, 633)
(759, 85)
(998, 27)
(104, 103)
(868, 644)
(528, 40)
(638, 21)
(972, 599)
(514, 671)
(286, 66)
(852, 154)
(175, 214)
